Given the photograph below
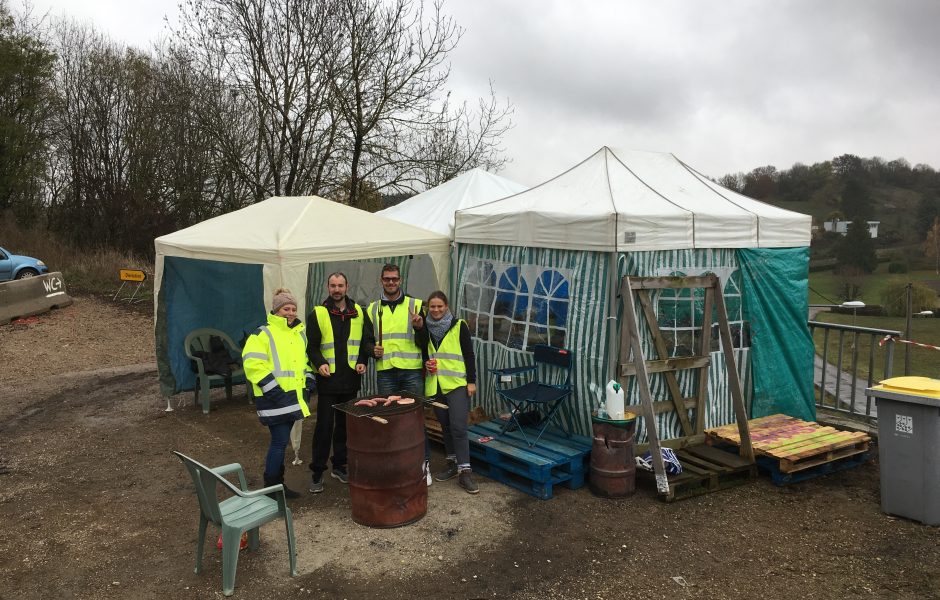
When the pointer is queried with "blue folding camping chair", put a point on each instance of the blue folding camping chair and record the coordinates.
(540, 395)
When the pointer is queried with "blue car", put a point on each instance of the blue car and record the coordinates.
(14, 266)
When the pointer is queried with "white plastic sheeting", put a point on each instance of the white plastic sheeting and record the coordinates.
(626, 201)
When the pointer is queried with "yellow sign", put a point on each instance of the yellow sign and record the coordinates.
(132, 275)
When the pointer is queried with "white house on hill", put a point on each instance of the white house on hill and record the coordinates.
(843, 227)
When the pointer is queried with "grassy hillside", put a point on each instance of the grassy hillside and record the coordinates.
(825, 285)
(924, 361)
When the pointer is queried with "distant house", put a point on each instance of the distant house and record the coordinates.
(843, 227)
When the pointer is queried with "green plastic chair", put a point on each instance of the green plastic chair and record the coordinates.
(245, 511)
(198, 341)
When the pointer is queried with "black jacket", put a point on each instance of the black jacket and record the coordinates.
(345, 380)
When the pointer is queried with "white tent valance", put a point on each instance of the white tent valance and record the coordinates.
(620, 200)
(286, 234)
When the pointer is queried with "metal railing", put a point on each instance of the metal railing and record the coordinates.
(843, 390)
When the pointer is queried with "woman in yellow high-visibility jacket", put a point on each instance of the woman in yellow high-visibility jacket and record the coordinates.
(451, 379)
(275, 362)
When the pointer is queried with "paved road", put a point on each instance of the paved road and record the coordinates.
(845, 385)
(844, 381)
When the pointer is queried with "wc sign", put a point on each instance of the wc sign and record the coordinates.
(54, 286)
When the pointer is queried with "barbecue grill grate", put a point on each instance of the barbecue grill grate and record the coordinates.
(350, 407)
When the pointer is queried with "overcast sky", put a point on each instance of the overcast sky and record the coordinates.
(725, 85)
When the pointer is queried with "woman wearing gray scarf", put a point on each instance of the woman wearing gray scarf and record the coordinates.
(451, 379)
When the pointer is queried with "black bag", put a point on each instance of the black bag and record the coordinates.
(217, 360)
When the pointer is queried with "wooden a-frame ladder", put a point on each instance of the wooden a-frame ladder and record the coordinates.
(698, 460)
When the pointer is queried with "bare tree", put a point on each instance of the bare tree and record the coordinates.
(269, 57)
(388, 73)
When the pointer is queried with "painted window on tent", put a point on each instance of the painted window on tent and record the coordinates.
(681, 314)
(517, 306)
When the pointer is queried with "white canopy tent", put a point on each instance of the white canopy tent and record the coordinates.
(544, 266)
(222, 273)
(626, 201)
(435, 208)
(286, 234)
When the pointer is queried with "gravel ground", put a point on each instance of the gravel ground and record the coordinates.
(95, 506)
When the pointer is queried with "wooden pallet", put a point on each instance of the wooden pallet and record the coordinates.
(507, 458)
(705, 469)
(779, 477)
(792, 445)
(433, 427)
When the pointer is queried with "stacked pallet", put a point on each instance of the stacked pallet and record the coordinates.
(793, 449)
(506, 457)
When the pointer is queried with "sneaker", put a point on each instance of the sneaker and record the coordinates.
(448, 473)
(465, 480)
(340, 473)
(289, 493)
(316, 483)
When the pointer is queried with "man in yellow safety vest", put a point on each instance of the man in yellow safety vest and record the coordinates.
(398, 364)
(338, 350)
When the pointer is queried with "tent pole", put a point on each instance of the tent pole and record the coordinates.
(613, 343)
(453, 271)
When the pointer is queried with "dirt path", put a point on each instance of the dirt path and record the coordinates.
(95, 506)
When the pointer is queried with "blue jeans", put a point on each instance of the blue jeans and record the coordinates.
(280, 436)
(411, 381)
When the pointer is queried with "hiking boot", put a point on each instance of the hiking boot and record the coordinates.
(465, 480)
(448, 473)
(316, 483)
(427, 472)
(340, 473)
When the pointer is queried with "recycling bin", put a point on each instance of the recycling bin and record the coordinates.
(909, 447)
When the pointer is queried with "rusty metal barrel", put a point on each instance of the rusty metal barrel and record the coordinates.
(387, 486)
(613, 470)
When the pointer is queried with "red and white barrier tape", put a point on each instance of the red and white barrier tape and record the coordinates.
(913, 343)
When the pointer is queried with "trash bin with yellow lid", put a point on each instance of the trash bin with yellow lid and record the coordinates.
(909, 446)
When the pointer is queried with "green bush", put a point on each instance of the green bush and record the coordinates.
(897, 267)
(894, 298)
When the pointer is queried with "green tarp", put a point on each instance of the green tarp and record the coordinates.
(776, 303)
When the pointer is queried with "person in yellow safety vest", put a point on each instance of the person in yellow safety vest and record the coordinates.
(339, 349)
(447, 350)
(275, 362)
(395, 318)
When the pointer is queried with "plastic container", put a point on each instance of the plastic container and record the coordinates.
(614, 403)
(908, 438)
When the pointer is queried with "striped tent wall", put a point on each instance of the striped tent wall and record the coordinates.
(722, 262)
(316, 286)
(586, 330)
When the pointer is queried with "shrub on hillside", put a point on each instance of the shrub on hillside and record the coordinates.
(94, 271)
(897, 267)
(894, 299)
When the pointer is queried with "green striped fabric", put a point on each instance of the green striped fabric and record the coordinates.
(586, 335)
(316, 279)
